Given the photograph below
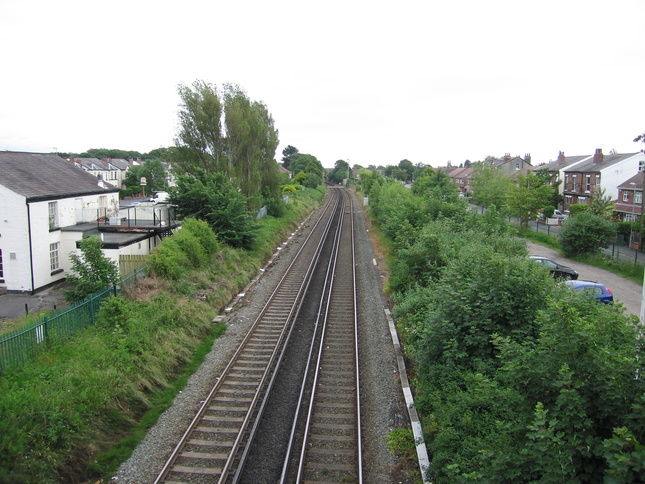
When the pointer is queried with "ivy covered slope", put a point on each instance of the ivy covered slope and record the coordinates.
(77, 410)
(517, 378)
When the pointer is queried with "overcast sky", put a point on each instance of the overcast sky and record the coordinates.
(369, 82)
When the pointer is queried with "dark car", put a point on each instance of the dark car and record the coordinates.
(595, 289)
(557, 270)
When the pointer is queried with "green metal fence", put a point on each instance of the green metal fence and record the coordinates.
(19, 346)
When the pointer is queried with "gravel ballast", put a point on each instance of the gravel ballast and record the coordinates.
(383, 404)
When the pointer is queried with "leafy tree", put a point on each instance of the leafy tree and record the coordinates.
(527, 196)
(287, 153)
(585, 233)
(339, 172)
(407, 169)
(91, 270)
(251, 141)
(431, 183)
(212, 197)
(307, 163)
(161, 154)
(490, 186)
(199, 142)
(368, 179)
(101, 153)
(601, 204)
(154, 172)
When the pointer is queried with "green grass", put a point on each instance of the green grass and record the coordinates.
(106, 463)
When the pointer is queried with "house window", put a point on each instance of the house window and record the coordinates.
(54, 260)
(588, 184)
(574, 188)
(625, 196)
(638, 197)
(597, 179)
(1, 266)
(641, 165)
(53, 215)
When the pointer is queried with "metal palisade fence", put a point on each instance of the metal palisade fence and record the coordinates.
(19, 346)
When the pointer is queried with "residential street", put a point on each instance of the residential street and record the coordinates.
(625, 291)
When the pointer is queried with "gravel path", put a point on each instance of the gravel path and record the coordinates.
(384, 405)
(627, 292)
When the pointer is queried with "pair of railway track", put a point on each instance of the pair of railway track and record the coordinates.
(325, 439)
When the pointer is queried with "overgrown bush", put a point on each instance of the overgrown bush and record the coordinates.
(205, 235)
(167, 260)
(518, 378)
(585, 233)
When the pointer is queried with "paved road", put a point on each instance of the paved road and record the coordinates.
(629, 293)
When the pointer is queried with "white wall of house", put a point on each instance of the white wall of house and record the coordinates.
(613, 176)
(32, 244)
(14, 241)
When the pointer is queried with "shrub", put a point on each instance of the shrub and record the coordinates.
(167, 260)
(275, 207)
(577, 208)
(289, 189)
(204, 234)
(585, 233)
(548, 211)
(189, 245)
(92, 271)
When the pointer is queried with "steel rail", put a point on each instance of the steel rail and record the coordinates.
(260, 347)
(332, 447)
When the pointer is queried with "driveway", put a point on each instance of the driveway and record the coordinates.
(629, 293)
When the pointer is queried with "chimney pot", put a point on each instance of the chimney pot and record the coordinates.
(598, 156)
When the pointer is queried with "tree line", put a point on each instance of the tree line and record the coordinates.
(517, 378)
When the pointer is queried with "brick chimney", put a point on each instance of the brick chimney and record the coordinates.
(598, 156)
(527, 158)
(561, 158)
(507, 157)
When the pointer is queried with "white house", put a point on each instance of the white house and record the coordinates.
(39, 195)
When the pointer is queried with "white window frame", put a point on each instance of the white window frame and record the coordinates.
(54, 256)
(53, 215)
(625, 196)
(638, 197)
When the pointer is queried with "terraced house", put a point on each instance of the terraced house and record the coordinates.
(47, 205)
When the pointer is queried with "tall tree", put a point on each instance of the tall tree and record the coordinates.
(527, 196)
(251, 142)
(287, 153)
(199, 143)
(490, 186)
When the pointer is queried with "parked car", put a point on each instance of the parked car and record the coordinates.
(556, 214)
(601, 292)
(557, 270)
(160, 197)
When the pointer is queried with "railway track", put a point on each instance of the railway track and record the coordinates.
(332, 447)
(214, 447)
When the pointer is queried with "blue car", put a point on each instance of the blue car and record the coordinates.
(595, 289)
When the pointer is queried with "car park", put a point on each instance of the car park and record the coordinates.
(601, 292)
(557, 270)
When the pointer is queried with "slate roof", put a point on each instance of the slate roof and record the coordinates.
(42, 176)
(637, 181)
(589, 166)
(93, 164)
(119, 163)
(568, 161)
